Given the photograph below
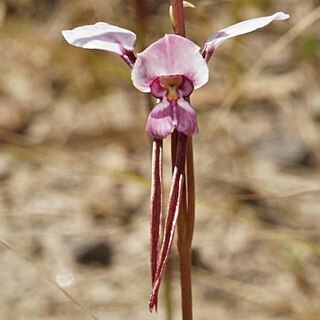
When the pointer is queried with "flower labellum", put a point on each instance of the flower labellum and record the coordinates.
(170, 69)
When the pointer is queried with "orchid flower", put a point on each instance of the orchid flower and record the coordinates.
(170, 69)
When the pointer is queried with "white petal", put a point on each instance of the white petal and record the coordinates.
(171, 55)
(238, 29)
(101, 36)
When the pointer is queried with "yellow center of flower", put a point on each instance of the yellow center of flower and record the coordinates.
(171, 84)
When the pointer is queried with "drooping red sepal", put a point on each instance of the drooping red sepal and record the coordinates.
(156, 205)
(171, 218)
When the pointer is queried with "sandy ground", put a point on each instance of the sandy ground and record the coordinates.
(75, 168)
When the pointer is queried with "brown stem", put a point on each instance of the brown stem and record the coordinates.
(141, 13)
(185, 234)
(142, 22)
(187, 208)
(167, 284)
(178, 17)
(190, 190)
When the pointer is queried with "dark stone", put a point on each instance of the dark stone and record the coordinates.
(36, 248)
(197, 261)
(94, 253)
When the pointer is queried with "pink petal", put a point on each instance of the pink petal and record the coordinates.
(101, 36)
(171, 55)
(186, 118)
(160, 121)
(238, 29)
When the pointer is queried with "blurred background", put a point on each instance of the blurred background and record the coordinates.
(75, 165)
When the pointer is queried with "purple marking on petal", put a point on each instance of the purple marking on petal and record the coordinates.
(187, 119)
(238, 29)
(160, 122)
(129, 57)
(157, 90)
(171, 55)
(186, 88)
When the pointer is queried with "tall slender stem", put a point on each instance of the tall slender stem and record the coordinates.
(167, 282)
(142, 21)
(178, 17)
(185, 235)
(187, 207)
(190, 190)
(141, 13)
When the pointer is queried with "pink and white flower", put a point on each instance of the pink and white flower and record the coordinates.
(170, 69)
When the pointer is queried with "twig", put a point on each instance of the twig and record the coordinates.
(48, 278)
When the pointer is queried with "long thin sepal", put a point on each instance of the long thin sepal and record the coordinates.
(171, 219)
(238, 29)
(156, 205)
(104, 36)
